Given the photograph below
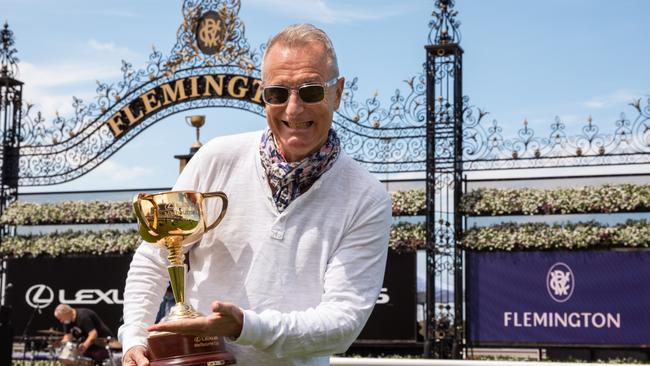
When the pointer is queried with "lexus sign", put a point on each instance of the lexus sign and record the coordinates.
(40, 296)
(40, 284)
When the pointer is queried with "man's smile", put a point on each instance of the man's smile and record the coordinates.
(298, 125)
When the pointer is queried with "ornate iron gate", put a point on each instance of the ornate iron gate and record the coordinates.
(215, 67)
(429, 128)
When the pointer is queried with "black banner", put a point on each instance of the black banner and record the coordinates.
(97, 283)
(40, 284)
(394, 316)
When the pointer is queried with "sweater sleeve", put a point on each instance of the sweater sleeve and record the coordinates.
(147, 278)
(145, 286)
(352, 282)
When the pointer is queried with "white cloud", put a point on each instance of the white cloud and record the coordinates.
(594, 104)
(104, 64)
(111, 171)
(60, 75)
(50, 87)
(319, 10)
(110, 48)
(50, 104)
(618, 98)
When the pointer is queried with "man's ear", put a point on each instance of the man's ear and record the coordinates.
(340, 84)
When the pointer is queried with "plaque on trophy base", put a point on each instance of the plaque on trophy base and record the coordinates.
(171, 349)
(173, 220)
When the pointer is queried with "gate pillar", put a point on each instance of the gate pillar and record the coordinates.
(444, 95)
(11, 95)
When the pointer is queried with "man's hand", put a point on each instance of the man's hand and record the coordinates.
(226, 320)
(82, 347)
(136, 356)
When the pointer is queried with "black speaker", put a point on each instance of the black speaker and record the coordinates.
(6, 336)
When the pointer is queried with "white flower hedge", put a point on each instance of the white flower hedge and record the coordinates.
(71, 242)
(480, 202)
(409, 203)
(404, 237)
(541, 236)
(588, 199)
(68, 212)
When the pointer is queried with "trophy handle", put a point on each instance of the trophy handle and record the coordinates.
(137, 208)
(224, 198)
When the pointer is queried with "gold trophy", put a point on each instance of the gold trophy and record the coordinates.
(173, 220)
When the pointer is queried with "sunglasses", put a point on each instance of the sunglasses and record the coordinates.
(309, 93)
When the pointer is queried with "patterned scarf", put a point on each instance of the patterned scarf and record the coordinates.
(289, 180)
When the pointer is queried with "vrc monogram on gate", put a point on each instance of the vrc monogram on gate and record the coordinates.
(210, 33)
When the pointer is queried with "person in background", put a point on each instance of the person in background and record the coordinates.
(292, 273)
(84, 327)
(166, 304)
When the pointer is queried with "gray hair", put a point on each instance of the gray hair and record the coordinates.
(62, 309)
(301, 34)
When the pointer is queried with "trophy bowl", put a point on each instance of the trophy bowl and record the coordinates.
(173, 220)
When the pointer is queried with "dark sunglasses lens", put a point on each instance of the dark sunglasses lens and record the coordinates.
(276, 95)
(311, 93)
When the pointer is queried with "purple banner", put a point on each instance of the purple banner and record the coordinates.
(558, 298)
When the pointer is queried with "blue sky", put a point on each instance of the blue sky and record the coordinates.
(529, 60)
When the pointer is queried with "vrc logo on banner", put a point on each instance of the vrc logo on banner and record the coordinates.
(558, 297)
(40, 284)
(560, 282)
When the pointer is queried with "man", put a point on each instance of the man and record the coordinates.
(83, 326)
(293, 271)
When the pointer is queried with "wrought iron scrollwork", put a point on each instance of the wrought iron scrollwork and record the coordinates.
(486, 148)
(385, 139)
(63, 148)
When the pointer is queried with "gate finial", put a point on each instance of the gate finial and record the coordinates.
(444, 26)
(8, 59)
(212, 34)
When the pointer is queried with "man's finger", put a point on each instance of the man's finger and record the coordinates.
(194, 326)
(136, 356)
(222, 307)
(141, 359)
(167, 326)
(216, 306)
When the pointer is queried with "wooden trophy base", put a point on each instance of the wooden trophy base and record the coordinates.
(171, 349)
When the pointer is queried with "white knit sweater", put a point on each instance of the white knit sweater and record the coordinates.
(306, 278)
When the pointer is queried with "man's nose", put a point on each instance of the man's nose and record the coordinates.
(294, 104)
